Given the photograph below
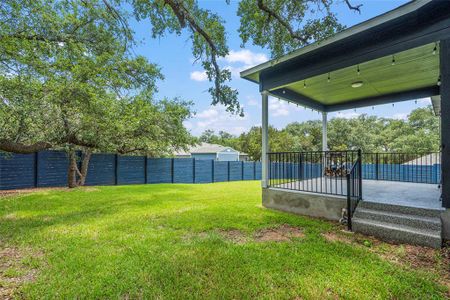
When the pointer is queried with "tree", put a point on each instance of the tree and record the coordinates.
(279, 25)
(69, 81)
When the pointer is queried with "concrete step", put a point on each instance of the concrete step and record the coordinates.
(416, 221)
(398, 233)
(418, 211)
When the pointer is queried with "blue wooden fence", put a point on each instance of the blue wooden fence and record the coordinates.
(49, 169)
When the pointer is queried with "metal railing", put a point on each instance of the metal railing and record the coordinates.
(405, 167)
(354, 189)
(321, 172)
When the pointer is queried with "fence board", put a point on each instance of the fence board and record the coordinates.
(131, 170)
(101, 170)
(235, 170)
(183, 170)
(52, 170)
(220, 171)
(159, 170)
(17, 171)
(203, 170)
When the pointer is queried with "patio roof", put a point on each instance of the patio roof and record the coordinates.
(393, 57)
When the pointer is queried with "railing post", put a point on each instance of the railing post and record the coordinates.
(349, 204)
(360, 173)
(377, 162)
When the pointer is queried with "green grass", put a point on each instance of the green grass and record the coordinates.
(163, 241)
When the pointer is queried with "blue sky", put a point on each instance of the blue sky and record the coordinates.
(185, 79)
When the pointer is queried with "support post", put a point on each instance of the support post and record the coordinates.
(445, 120)
(265, 138)
(324, 132)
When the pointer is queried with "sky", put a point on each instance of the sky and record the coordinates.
(185, 79)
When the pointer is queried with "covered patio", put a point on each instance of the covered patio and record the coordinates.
(401, 55)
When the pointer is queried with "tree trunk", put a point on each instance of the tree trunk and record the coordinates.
(87, 153)
(72, 170)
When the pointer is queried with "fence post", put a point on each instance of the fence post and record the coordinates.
(116, 171)
(145, 169)
(36, 166)
(172, 167)
(254, 170)
(212, 170)
(228, 166)
(193, 170)
(242, 171)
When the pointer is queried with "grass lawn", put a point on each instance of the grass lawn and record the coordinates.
(195, 241)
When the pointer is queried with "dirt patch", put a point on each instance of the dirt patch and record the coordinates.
(89, 189)
(283, 233)
(13, 272)
(7, 193)
(335, 237)
(415, 257)
(234, 235)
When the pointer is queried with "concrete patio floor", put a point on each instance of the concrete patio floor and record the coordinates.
(390, 192)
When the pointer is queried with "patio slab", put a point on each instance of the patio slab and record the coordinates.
(421, 195)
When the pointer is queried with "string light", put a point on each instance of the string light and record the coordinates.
(373, 108)
(358, 70)
(329, 79)
(439, 81)
(393, 60)
(415, 101)
(284, 91)
(393, 104)
(304, 84)
(435, 49)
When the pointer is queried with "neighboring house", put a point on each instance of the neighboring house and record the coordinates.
(212, 151)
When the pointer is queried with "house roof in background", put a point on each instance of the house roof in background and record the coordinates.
(206, 148)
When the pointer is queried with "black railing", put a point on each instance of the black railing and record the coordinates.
(406, 167)
(354, 188)
(321, 172)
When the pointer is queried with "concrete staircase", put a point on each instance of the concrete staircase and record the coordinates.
(401, 224)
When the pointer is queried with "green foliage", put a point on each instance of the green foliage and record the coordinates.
(418, 134)
(283, 26)
(68, 78)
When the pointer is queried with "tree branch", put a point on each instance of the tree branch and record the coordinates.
(184, 15)
(283, 22)
(355, 8)
(16, 147)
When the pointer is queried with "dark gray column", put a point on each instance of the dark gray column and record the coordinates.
(445, 120)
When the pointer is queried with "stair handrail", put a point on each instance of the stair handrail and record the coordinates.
(354, 188)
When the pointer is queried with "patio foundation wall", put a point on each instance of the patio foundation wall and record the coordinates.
(445, 218)
(304, 203)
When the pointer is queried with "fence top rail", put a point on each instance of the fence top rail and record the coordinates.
(300, 152)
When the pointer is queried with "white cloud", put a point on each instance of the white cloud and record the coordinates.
(217, 119)
(348, 115)
(208, 113)
(199, 76)
(188, 124)
(246, 57)
(400, 116)
(252, 102)
(279, 108)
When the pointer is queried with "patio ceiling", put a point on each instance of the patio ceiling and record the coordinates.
(397, 55)
(412, 69)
